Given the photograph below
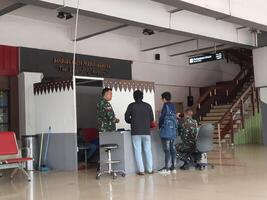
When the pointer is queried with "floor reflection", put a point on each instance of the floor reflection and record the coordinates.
(240, 173)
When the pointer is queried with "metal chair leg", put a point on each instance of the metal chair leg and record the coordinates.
(14, 173)
(114, 175)
(21, 168)
(109, 170)
(99, 174)
(205, 165)
(121, 172)
(26, 174)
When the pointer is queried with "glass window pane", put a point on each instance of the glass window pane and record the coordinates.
(3, 127)
(3, 99)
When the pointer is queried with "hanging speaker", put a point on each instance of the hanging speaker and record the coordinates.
(190, 101)
(157, 56)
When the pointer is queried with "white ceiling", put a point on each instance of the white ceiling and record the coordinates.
(92, 24)
(42, 14)
(131, 31)
(49, 15)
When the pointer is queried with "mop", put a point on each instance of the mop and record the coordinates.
(43, 167)
(41, 152)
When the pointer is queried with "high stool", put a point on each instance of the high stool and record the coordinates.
(108, 148)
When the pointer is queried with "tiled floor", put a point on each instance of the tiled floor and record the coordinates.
(239, 174)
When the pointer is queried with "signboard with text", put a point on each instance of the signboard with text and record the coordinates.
(205, 58)
(54, 64)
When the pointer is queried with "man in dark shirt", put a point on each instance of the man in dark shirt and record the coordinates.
(140, 115)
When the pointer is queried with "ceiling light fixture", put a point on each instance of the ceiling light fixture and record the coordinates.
(147, 31)
(60, 15)
(66, 15)
(69, 16)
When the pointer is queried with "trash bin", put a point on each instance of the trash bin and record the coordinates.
(30, 149)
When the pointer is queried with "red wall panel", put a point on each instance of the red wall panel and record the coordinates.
(9, 61)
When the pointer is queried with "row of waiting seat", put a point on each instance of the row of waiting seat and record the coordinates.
(8, 147)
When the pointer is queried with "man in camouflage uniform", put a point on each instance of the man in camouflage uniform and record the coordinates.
(106, 120)
(188, 133)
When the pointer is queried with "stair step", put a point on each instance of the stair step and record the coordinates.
(215, 114)
(215, 118)
(222, 126)
(216, 137)
(238, 121)
(212, 118)
(235, 126)
(207, 122)
(214, 122)
(218, 110)
(216, 141)
(222, 107)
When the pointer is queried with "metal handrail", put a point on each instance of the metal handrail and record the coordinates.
(230, 110)
(242, 96)
(233, 107)
(209, 93)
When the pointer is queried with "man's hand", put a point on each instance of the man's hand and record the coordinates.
(153, 124)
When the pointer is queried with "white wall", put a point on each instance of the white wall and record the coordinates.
(170, 73)
(263, 95)
(177, 79)
(260, 67)
(56, 110)
(38, 112)
(121, 100)
(179, 94)
(229, 70)
(27, 103)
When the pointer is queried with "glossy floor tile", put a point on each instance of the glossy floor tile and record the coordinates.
(239, 174)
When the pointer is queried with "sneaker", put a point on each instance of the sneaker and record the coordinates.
(164, 170)
(152, 172)
(173, 169)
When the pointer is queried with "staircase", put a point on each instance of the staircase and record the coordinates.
(228, 104)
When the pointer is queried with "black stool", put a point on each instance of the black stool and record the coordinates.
(108, 148)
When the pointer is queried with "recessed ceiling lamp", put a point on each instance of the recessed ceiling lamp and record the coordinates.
(147, 31)
(69, 16)
(62, 15)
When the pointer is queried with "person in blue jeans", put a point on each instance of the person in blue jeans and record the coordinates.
(93, 145)
(140, 115)
(168, 125)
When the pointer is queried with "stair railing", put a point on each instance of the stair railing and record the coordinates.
(227, 122)
(221, 94)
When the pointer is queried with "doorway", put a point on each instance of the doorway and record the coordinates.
(88, 93)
